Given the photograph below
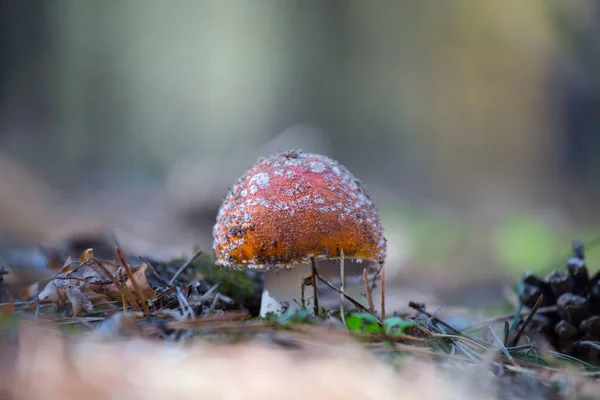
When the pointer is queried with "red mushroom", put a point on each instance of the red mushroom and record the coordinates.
(288, 209)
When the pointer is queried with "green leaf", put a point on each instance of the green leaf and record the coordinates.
(396, 325)
(363, 323)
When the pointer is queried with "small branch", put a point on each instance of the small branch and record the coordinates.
(184, 266)
(368, 289)
(529, 318)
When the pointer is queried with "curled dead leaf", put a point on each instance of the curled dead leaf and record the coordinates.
(86, 255)
(87, 283)
(139, 275)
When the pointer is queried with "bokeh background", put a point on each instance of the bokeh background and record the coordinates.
(475, 125)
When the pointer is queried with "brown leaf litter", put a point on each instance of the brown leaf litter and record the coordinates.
(90, 280)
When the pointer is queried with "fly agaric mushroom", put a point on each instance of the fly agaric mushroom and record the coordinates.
(289, 210)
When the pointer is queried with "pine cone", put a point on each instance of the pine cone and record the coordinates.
(574, 328)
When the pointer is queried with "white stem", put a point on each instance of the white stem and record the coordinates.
(284, 286)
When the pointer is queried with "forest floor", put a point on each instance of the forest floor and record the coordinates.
(119, 328)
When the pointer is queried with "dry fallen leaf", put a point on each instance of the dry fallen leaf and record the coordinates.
(87, 283)
(86, 255)
(139, 275)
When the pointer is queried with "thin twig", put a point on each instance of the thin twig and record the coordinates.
(368, 289)
(302, 287)
(529, 318)
(210, 294)
(313, 265)
(379, 269)
(342, 276)
(383, 292)
(184, 266)
(218, 297)
(350, 299)
(153, 270)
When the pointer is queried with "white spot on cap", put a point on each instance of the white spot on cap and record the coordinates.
(261, 179)
(317, 167)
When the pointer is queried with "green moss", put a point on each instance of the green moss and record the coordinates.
(235, 284)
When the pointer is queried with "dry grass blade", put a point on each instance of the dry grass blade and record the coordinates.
(420, 308)
(136, 288)
(502, 347)
(369, 293)
(472, 342)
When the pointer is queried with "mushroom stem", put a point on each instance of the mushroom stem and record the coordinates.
(283, 287)
(282, 290)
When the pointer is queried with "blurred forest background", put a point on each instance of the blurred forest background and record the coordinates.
(475, 125)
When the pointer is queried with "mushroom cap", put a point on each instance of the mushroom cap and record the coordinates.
(293, 206)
